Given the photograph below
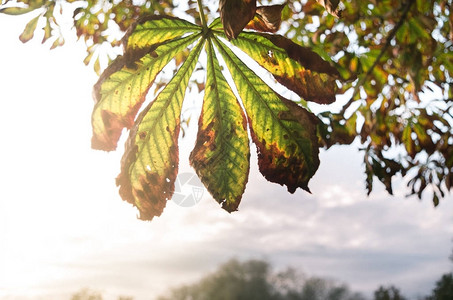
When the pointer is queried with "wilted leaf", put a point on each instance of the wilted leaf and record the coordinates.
(29, 30)
(296, 67)
(285, 133)
(235, 15)
(120, 91)
(221, 154)
(150, 162)
(267, 18)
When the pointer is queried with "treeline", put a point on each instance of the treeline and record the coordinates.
(255, 280)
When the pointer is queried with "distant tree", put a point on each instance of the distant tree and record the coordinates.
(253, 279)
(388, 293)
(443, 289)
(87, 294)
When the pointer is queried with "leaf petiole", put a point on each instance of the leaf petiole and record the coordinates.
(202, 15)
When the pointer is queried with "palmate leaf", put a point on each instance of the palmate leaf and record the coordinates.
(221, 154)
(284, 133)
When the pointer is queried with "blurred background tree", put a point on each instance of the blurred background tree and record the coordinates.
(396, 57)
(443, 289)
(87, 294)
(388, 293)
(254, 279)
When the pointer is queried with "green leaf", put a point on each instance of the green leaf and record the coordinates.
(154, 29)
(29, 30)
(296, 67)
(150, 162)
(221, 154)
(121, 90)
(285, 133)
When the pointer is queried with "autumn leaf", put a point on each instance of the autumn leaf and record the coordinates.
(284, 132)
(121, 91)
(267, 18)
(235, 15)
(296, 67)
(150, 162)
(221, 154)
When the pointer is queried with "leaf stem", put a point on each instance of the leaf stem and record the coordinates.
(202, 15)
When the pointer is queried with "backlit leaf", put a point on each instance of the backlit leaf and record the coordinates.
(120, 91)
(267, 18)
(150, 162)
(221, 154)
(296, 67)
(284, 133)
(155, 29)
(235, 15)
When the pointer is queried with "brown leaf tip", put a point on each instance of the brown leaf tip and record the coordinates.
(235, 15)
(267, 18)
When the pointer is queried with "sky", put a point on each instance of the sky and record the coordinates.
(63, 226)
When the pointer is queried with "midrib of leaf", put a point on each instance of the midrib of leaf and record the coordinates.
(158, 115)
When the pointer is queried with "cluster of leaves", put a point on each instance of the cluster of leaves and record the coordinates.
(397, 56)
(285, 133)
(402, 100)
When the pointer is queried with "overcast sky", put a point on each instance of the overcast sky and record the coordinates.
(63, 226)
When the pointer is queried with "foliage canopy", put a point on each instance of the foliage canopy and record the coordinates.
(392, 60)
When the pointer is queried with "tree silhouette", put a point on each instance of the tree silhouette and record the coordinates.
(254, 279)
